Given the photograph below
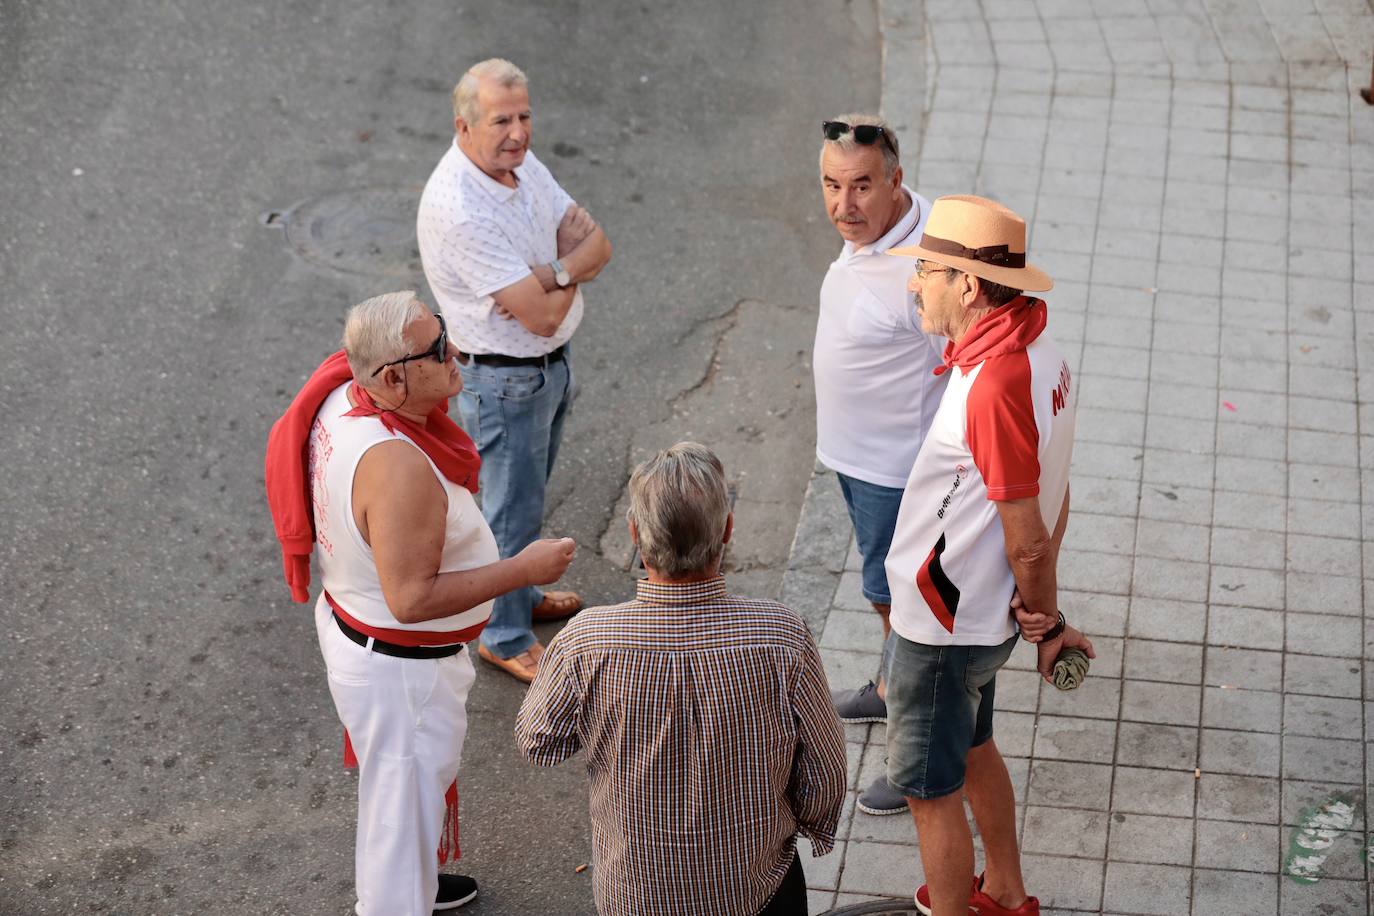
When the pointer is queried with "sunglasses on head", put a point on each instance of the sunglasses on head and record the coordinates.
(864, 134)
(438, 349)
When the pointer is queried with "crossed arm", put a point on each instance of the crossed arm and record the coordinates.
(537, 301)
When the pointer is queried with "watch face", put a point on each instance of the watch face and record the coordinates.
(562, 278)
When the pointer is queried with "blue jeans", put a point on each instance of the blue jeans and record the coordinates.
(939, 707)
(873, 511)
(515, 415)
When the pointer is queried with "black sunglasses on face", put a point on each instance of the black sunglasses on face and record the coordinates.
(864, 134)
(438, 349)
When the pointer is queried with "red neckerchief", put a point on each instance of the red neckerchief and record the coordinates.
(287, 471)
(1006, 329)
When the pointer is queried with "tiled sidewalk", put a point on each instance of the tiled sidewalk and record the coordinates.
(1198, 177)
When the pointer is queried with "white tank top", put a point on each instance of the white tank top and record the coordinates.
(348, 570)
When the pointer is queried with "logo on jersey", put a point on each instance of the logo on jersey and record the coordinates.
(960, 474)
(1060, 395)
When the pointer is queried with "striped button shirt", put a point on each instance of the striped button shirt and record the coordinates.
(711, 741)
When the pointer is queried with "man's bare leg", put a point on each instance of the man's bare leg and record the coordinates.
(946, 851)
(990, 795)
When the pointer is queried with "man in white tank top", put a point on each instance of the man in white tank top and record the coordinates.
(410, 570)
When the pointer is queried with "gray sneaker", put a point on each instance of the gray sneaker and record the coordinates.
(861, 705)
(880, 798)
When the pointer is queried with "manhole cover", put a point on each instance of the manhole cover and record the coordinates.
(877, 908)
(362, 231)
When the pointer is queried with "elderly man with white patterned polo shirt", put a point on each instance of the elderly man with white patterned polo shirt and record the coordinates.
(506, 251)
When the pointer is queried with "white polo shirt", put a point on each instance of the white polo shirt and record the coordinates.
(478, 236)
(1003, 431)
(875, 391)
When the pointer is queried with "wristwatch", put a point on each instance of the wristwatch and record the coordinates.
(560, 273)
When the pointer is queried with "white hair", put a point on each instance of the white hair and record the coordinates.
(498, 69)
(847, 143)
(679, 506)
(374, 331)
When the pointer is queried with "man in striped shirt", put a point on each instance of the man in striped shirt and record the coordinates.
(711, 739)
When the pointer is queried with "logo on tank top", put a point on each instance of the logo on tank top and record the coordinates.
(321, 449)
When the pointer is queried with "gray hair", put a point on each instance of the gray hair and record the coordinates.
(502, 71)
(374, 331)
(679, 505)
(891, 158)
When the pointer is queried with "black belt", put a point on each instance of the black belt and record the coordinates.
(390, 648)
(497, 359)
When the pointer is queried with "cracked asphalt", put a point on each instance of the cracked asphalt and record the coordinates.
(167, 744)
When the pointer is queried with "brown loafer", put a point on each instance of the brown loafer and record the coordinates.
(522, 667)
(556, 606)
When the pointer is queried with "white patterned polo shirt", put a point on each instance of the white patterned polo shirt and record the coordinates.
(478, 236)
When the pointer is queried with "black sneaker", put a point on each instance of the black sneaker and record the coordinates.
(454, 891)
(860, 705)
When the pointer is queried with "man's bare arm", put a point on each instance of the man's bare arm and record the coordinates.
(1032, 552)
(1033, 623)
(583, 249)
(401, 510)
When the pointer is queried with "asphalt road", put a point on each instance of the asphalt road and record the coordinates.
(193, 193)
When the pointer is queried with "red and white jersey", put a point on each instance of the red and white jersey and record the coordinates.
(1004, 431)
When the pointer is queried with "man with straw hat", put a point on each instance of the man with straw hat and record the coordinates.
(983, 515)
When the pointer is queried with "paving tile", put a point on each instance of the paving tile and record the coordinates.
(1059, 887)
(1248, 627)
(1100, 459)
(1252, 475)
(1245, 710)
(1068, 784)
(1065, 832)
(1015, 733)
(845, 669)
(1094, 613)
(1173, 579)
(1072, 738)
(1160, 890)
(1322, 759)
(1237, 585)
(1326, 896)
(1321, 676)
(1086, 570)
(1017, 691)
(1160, 618)
(1322, 634)
(822, 873)
(1169, 467)
(880, 868)
(1300, 796)
(1246, 669)
(1237, 845)
(849, 593)
(1172, 540)
(1151, 839)
(1247, 547)
(1234, 893)
(1176, 663)
(1316, 447)
(1099, 697)
(1167, 747)
(1325, 594)
(1249, 510)
(1252, 440)
(1321, 717)
(855, 630)
(1180, 433)
(1238, 798)
(1324, 517)
(1140, 790)
(1108, 533)
(1106, 495)
(1239, 753)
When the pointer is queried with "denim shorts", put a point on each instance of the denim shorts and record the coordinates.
(873, 510)
(939, 706)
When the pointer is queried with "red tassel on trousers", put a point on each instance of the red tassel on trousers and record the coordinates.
(448, 836)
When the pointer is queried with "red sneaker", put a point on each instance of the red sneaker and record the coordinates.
(923, 898)
(984, 905)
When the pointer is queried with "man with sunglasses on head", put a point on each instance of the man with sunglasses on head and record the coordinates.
(409, 569)
(876, 390)
(506, 251)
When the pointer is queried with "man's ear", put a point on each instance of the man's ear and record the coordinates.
(729, 528)
(897, 180)
(460, 127)
(972, 288)
(634, 532)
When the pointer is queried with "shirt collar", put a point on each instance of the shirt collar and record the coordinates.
(493, 187)
(894, 235)
(671, 593)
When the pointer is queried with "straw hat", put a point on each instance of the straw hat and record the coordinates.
(979, 237)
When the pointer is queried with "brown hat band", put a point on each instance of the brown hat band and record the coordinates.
(997, 255)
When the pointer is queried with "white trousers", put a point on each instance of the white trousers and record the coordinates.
(407, 718)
